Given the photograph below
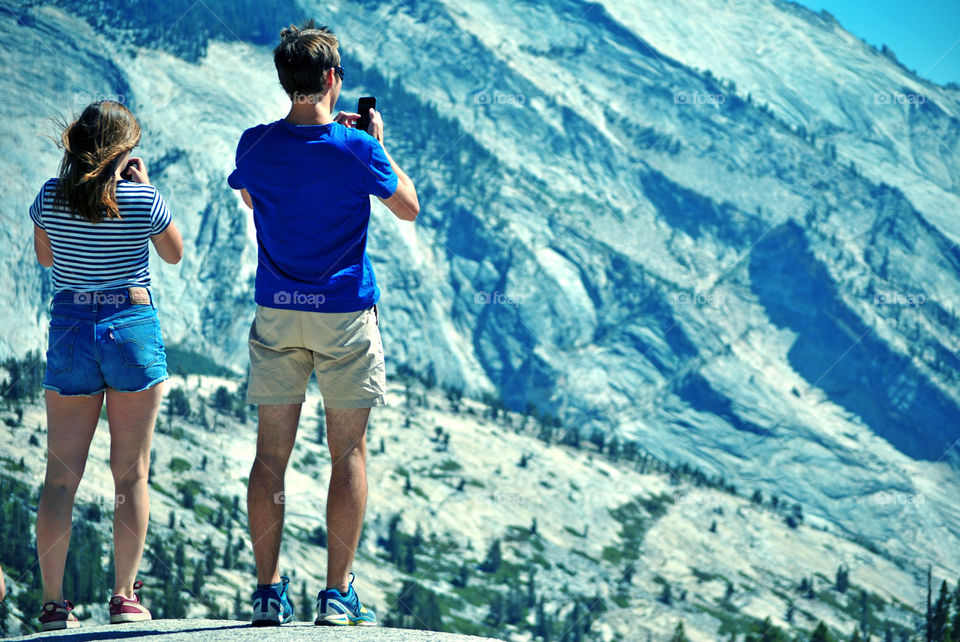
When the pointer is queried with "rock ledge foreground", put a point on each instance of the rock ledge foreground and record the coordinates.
(197, 630)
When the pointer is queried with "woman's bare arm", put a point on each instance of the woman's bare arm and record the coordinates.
(169, 244)
(41, 245)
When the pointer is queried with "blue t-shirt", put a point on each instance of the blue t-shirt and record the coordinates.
(311, 187)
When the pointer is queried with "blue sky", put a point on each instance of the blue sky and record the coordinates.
(925, 34)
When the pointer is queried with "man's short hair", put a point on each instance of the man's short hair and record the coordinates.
(302, 57)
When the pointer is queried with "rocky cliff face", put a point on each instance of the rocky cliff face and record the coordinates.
(728, 231)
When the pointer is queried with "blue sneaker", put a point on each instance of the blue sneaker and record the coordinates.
(271, 604)
(336, 609)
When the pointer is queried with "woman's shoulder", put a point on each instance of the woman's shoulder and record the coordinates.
(125, 184)
(130, 188)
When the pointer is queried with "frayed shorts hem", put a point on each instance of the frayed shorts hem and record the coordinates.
(96, 392)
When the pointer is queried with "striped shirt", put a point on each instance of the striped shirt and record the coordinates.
(114, 253)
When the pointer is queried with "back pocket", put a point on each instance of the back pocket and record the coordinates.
(138, 342)
(62, 342)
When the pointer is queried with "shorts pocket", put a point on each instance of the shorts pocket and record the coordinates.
(138, 343)
(62, 342)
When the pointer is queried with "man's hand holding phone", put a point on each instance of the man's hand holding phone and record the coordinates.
(375, 128)
(366, 118)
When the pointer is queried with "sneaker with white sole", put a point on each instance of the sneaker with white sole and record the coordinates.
(123, 609)
(55, 616)
(336, 609)
(271, 604)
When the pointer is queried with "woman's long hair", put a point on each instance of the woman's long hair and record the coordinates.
(93, 145)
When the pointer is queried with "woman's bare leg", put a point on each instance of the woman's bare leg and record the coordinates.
(71, 423)
(132, 416)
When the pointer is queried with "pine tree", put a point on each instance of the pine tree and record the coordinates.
(196, 588)
(4, 612)
(571, 438)
(318, 536)
(574, 625)
(180, 561)
(84, 565)
(418, 607)
(110, 575)
(515, 610)
(843, 578)
(177, 404)
(209, 556)
(222, 400)
(495, 617)
(613, 448)
(169, 603)
(955, 623)
(678, 633)
(941, 614)
(321, 424)
(409, 559)
(665, 595)
(598, 439)
(462, 577)
(531, 586)
(541, 627)
(491, 564)
(306, 607)
(864, 613)
(822, 634)
(228, 552)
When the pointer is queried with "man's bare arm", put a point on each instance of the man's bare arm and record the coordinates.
(403, 202)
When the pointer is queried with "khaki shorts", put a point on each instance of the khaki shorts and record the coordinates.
(343, 348)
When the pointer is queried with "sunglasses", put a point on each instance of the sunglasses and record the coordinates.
(339, 71)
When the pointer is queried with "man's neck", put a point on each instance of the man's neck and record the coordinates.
(306, 112)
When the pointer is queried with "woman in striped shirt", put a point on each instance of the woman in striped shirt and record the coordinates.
(93, 224)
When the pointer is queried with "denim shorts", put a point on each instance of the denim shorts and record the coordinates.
(101, 340)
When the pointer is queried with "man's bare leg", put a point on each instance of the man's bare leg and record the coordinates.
(276, 435)
(347, 496)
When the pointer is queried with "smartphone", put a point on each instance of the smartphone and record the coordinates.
(364, 105)
(126, 173)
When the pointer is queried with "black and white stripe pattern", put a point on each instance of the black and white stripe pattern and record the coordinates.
(111, 254)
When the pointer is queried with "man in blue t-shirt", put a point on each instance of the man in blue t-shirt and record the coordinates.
(308, 179)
